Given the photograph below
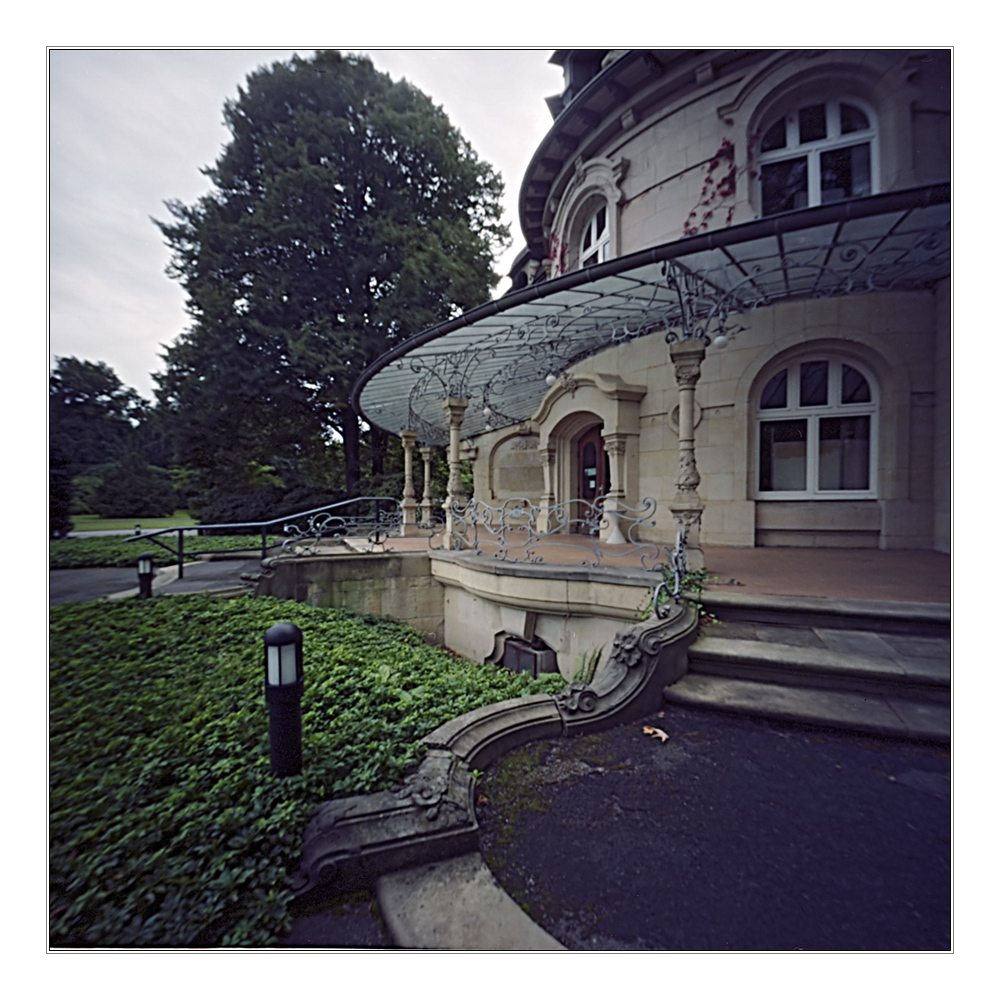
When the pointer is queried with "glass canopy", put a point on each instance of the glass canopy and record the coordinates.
(499, 355)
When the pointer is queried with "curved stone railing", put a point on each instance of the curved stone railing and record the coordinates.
(350, 842)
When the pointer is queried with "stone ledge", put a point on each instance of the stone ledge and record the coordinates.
(477, 738)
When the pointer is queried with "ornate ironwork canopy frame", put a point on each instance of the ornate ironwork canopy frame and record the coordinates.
(499, 355)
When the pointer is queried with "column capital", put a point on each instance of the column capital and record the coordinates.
(687, 356)
(455, 408)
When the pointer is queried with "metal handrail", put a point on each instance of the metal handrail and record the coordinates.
(262, 525)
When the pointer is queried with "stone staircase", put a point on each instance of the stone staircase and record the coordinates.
(881, 667)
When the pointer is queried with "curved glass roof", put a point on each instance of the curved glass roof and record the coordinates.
(498, 355)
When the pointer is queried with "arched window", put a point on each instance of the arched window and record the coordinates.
(595, 240)
(816, 432)
(816, 154)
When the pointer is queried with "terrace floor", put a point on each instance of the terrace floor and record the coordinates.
(864, 574)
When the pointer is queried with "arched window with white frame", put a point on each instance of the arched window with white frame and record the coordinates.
(816, 154)
(816, 432)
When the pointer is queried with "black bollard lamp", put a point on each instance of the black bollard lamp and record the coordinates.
(283, 685)
(145, 566)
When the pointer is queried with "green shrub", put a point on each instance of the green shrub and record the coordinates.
(85, 488)
(166, 827)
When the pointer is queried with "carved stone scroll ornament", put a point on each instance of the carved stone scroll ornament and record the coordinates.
(576, 697)
(351, 841)
(644, 659)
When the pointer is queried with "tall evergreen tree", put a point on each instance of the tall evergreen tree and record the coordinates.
(347, 214)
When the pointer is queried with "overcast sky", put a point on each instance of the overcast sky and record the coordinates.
(130, 129)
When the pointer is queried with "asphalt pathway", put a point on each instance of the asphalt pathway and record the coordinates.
(733, 834)
(200, 576)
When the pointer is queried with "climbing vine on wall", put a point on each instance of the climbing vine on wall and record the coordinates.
(558, 249)
(719, 187)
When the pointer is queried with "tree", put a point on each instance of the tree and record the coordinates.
(347, 214)
(92, 415)
(60, 493)
(131, 488)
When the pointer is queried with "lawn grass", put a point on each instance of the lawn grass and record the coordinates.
(166, 827)
(91, 522)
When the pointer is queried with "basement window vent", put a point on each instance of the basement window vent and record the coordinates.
(532, 657)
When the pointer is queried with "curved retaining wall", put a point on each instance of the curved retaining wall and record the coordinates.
(351, 842)
(471, 603)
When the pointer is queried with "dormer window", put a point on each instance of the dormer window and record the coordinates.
(817, 154)
(595, 242)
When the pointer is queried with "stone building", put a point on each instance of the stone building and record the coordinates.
(733, 299)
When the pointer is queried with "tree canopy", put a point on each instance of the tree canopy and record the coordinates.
(92, 415)
(347, 214)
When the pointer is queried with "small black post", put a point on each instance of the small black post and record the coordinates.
(263, 542)
(145, 567)
(180, 553)
(283, 685)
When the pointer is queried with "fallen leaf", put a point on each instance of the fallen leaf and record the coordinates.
(658, 733)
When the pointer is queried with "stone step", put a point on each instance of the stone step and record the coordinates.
(903, 618)
(877, 714)
(845, 660)
(456, 905)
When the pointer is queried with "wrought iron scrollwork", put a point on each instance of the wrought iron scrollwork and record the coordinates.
(376, 527)
(518, 530)
(674, 574)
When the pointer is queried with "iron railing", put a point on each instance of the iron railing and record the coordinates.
(380, 520)
(518, 530)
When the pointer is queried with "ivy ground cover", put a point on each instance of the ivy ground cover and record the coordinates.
(166, 826)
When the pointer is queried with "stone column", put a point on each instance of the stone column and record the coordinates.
(426, 504)
(409, 504)
(615, 446)
(455, 408)
(547, 456)
(687, 505)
